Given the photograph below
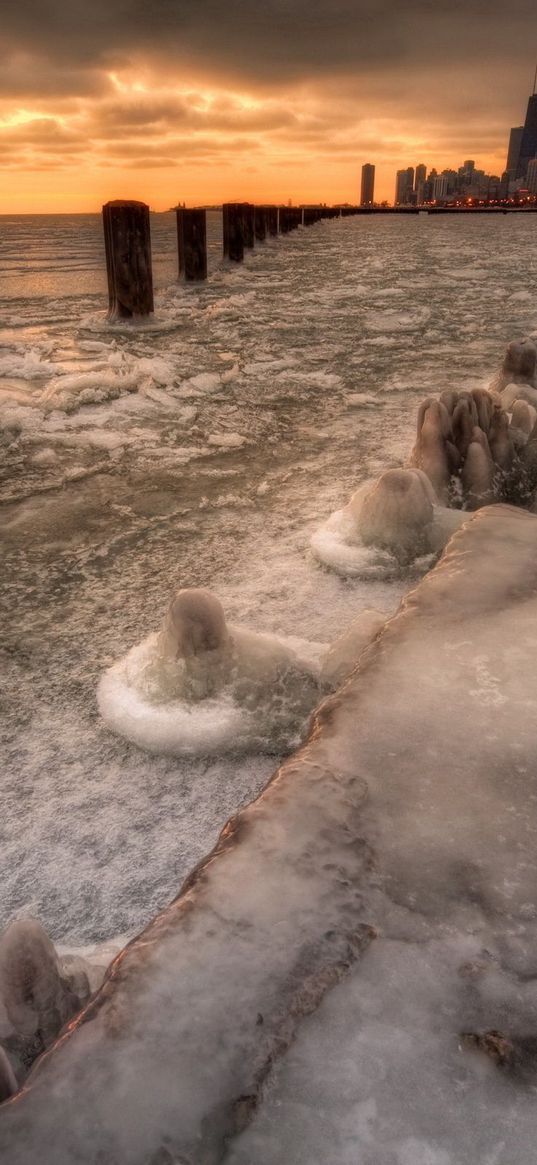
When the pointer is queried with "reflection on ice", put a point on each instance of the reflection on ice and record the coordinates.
(202, 686)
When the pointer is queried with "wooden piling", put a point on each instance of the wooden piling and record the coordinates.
(127, 241)
(283, 219)
(272, 220)
(260, 223)
(233, 231)
(192, 244)
(248, 220)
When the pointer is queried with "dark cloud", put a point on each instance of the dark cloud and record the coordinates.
(274, 40)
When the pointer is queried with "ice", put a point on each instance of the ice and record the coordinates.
(227, 440)
(394, 855)
(96, 834)
(361, 400)
(389, 525)
(202, 686)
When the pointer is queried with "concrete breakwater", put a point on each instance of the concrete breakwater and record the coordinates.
(408, 816)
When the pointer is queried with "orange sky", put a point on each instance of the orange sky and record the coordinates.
(82, 122)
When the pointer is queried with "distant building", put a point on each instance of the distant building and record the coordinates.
(531, 176)
(420, 176)
(440, 187)
(404, 187)
(368, 185)
(513, 153)
(528, 145)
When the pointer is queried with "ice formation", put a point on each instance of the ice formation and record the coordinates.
(393, 855)
(388, 524)
(343, 655)
(38, 995)
(202, 686)
(472, 448)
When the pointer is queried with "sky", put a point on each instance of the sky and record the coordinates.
(204, 101)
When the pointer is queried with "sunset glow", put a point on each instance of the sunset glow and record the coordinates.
(181, 106)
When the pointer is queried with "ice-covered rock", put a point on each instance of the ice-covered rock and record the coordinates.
(202, 686)
(38, 994)
(388, 524)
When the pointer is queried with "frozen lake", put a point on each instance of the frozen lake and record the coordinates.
(200, 450)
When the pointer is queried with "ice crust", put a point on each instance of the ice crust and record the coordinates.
(395, 853)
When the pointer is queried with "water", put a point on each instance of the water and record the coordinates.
(201, 449)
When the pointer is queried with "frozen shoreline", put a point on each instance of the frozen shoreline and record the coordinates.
(357, 844)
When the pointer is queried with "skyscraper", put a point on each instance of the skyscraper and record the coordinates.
(440, 187)
(368, 185)
(404, 187)
(528, 145)
(420, 176)
(513, 153)
(531, 176)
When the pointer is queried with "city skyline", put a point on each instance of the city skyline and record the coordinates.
(470, 182)
(167, 104)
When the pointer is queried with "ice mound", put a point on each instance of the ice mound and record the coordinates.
(39, 993)
(202, 686)
(388, 525)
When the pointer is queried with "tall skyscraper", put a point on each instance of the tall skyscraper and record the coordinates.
(368, 185)
(420, 176)
(513, 153)
(531, 176)
(528, 145)
(440, 187)
(404, 187)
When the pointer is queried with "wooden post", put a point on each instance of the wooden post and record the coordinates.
(248, 214)
(192, 243)
(283, 219)
(260, 223)
(272, 220)
(233, 231)
(127, 241)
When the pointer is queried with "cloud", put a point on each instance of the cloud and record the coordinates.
(199, 82)
(274, 42)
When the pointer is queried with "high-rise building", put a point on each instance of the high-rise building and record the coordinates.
(368, 185)
(420, 176)
(528, 145)
(513, 153)
(440, 187)
(531, 176)
(404, 187)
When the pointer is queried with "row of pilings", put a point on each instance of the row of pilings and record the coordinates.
(127, 240)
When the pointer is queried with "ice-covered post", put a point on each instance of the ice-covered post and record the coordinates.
(127, 241)
(260, 223)
(233, 231)
(192, 243)
(248, 216)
